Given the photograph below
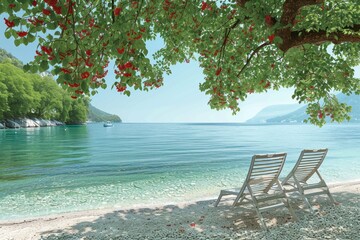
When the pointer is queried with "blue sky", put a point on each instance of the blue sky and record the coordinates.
(179, 100)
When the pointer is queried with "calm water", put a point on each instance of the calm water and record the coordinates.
(59, 169)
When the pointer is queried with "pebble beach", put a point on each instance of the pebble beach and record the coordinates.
(200, 220)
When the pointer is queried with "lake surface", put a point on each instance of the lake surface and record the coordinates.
(59, 169)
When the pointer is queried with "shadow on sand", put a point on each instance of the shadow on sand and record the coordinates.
(202, 220)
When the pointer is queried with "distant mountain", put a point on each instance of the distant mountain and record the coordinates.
(272, 112)
(299, 115)
(96, 115)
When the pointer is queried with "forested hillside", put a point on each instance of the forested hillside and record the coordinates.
(32, 96)
(97, 115)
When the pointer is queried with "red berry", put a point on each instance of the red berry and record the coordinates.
(117, 11)
(120, 51)
(128, 65)
(271, 38)
(85, 75)
(204, 6)
(320, 115)
(268, 20)
(34, 3)
(88, 52)
(120, 88)
(218, 71)
(46, 11)
(22, 34)
(8, 23)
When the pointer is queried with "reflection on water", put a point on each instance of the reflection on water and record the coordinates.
(57, 169)
(29, 153)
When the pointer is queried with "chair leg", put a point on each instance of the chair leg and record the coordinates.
(291, 210)
(306, 200)
(330, 196)
(237, 202)
(262, 221)
(218, 200)
(302, 194)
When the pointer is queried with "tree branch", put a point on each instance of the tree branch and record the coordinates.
(296, 39)
(291, 9)
(251, 56)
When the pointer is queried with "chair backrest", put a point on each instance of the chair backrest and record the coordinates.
(308, 163)
(264, 171)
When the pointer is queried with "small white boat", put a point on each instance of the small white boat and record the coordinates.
(108, 124)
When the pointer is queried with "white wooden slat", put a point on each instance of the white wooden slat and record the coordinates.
(308, 164)
(274, 168)
(277, 162)
(263, 173)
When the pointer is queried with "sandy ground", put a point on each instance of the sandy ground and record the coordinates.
(201, 220)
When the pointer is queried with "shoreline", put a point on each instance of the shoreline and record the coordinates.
(138, 206)
(191, 220)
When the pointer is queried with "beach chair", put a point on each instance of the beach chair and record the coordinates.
(262, 187)
(305, 168)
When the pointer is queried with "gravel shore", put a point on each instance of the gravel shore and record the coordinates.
(200, 220)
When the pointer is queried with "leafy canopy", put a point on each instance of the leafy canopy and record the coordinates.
(243, 46)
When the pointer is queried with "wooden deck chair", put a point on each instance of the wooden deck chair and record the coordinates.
(262, 187)
(306, 167)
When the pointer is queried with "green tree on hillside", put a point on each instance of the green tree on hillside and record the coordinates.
(3, 98)
(243, 46)
(30, 95)
(20, 93)
(78, 111)
(50, 101)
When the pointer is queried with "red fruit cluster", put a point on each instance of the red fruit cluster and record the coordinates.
(46, 12)
(22, 34)
(268, 20)
(205, 6)
(271, 38)
(320, 115)
(74, 85)
(133, 35)
(53, 4)
(8, 23)
(12, 5)
(35, 21)
(85, 75)
(34, 3)
(117, 11)
(120, 50)
(218, 71)
(46, 50)
(120, 88)
(66, 71)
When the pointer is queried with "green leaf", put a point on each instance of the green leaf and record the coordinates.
(44, 66)
(17, 42)
(7, 34)
(31, 38)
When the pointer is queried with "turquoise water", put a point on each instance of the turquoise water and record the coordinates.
(60, 169)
